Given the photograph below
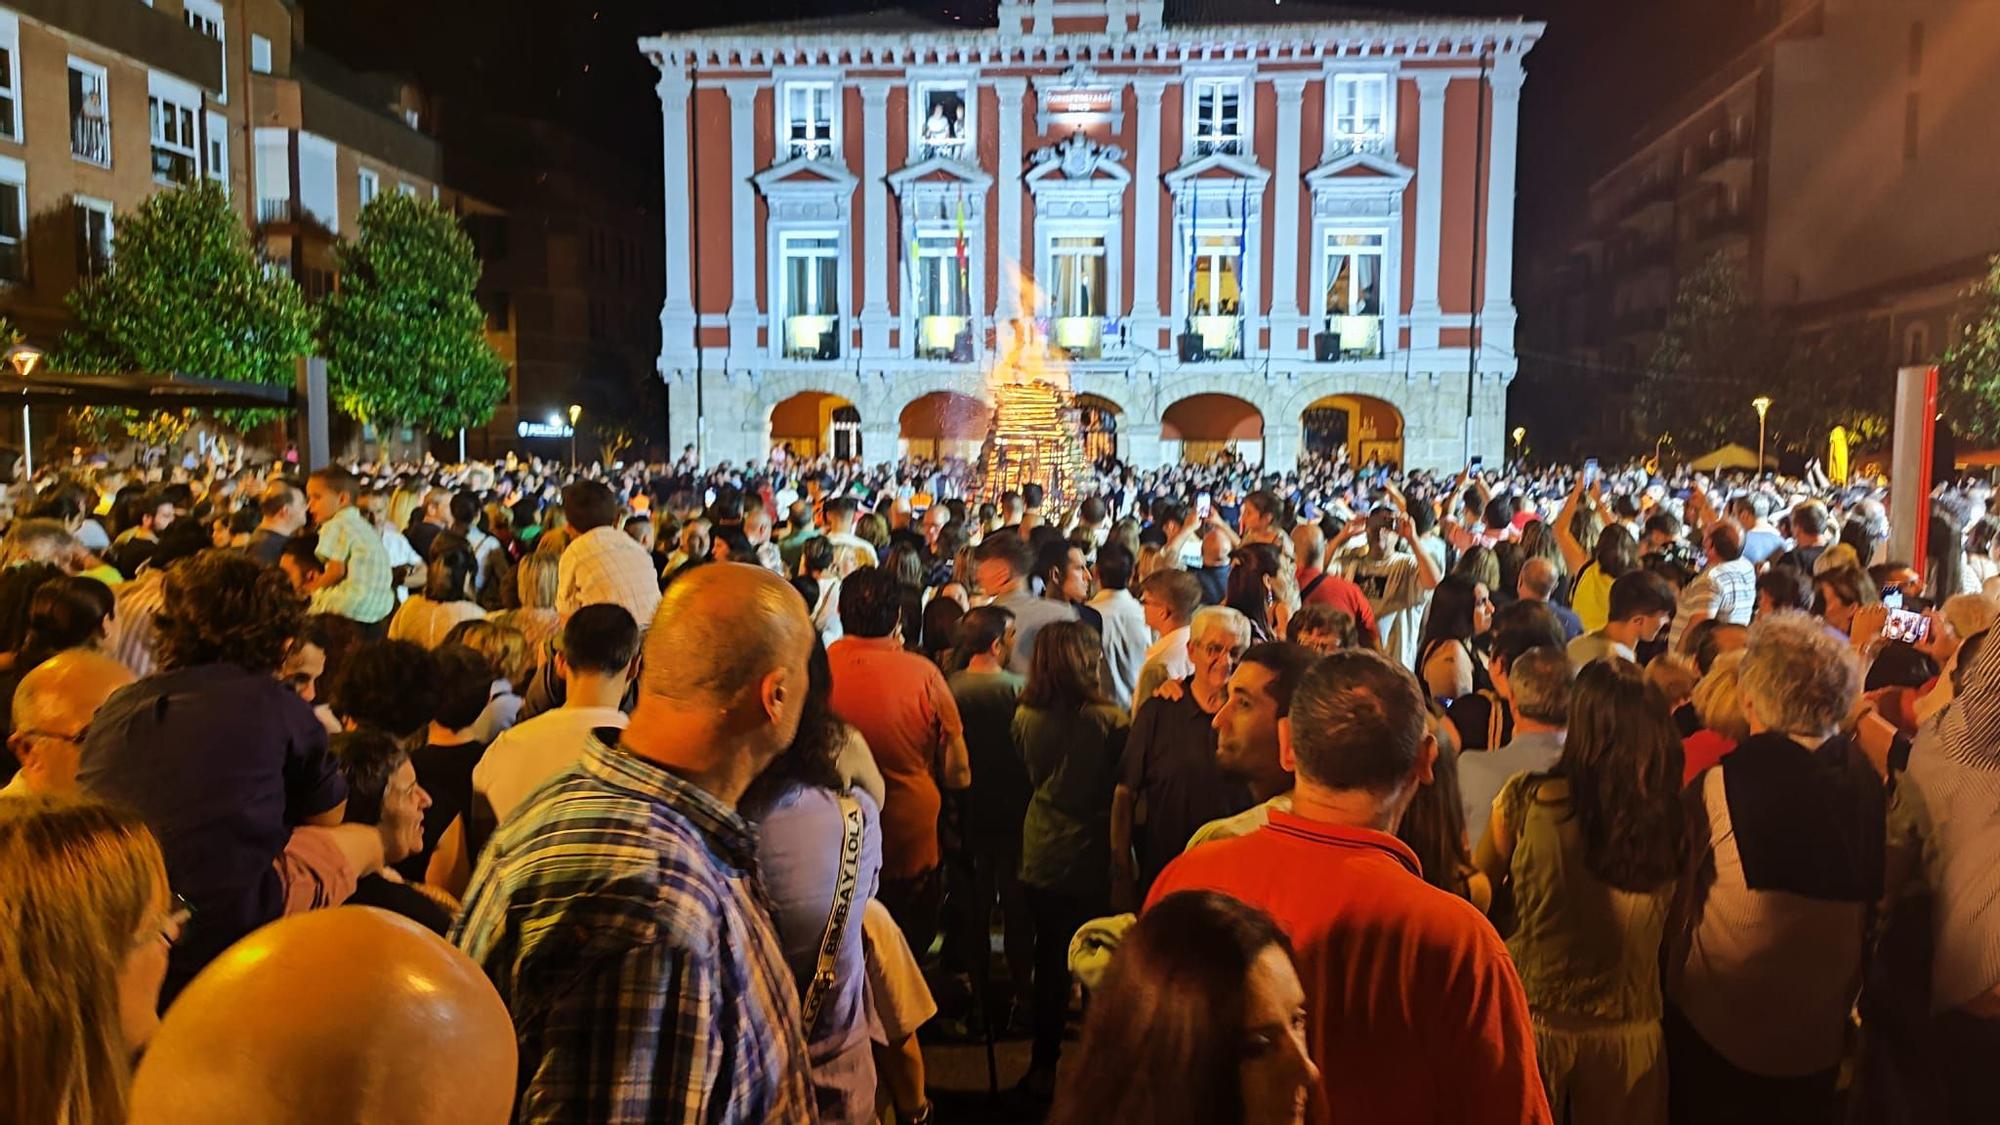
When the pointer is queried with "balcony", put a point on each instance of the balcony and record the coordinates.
(1232, 145)
(1217, 337)
(173, 167)
(90, 139)
(944, 337)
(1349, 337)
(1728, 154)
(1078, 337)
(812, 337)
(292, 213)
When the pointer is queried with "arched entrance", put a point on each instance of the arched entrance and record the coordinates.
(1361, 428)
(1201, 428)
(945, 424)
(1098, 419)
(814, 424)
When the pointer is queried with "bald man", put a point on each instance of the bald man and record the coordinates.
(351, 1014)
(1537, 583)
(617, 908)
(52, 710)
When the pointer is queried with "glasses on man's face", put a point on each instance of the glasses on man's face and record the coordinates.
(1212, 649)
(76, 739)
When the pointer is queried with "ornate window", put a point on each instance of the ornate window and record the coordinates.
(811, 120)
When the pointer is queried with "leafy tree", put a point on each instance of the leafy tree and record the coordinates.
(1970, 383)
(405, 334)
(186, 295)
(1720, 350)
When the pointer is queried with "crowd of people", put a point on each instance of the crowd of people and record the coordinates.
(702, 792)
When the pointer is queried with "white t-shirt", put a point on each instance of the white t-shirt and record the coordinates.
(529, 753)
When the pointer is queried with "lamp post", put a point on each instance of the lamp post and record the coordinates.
(24, 358)
(1763, 405)
(575, 412)
(1520, 436)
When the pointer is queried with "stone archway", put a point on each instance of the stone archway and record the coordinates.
(1202, 427)
(944, 424)
(1364, 428)
(816, 423)
(1100, 420)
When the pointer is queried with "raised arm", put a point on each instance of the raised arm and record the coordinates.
(1574, 553)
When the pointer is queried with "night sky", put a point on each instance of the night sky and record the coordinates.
(1604, 68)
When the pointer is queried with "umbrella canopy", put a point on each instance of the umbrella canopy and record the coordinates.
(142, 392)
(1731, 456)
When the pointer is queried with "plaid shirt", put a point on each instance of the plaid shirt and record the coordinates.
(1727, 592)
(367, 593)
(606, 566)
(620, 914)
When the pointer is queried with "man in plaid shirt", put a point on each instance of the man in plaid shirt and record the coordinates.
(603, 565)
(619, 910)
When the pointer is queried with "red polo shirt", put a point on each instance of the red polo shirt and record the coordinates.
(1415, 1011)
(1341, 594)
(901, 704)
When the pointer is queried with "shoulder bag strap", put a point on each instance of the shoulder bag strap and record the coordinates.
(844, 888)
(1307, 593)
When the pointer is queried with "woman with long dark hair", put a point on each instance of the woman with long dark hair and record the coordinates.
(1200, 1021)
(1069, 735)
(1591, 850)
(807, 812)
(1448, 658)
(1252, 590)
(1434, 825)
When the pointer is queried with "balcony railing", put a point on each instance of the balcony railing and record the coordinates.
(1078, 337)
(90, 139)
(173, 167)
(1232, 145)
(950, 148)
(1218, 337)
(944, 337)
(1349, 337)
(812, 337)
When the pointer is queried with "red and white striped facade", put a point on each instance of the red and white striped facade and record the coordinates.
(1280, 213)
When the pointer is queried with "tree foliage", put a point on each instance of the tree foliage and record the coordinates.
(405, 333)
(187, 296)
(1970, 383)
(1720, 350)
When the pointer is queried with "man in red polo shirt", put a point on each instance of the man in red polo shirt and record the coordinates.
(1319, 586)
(1416, 1013)
(901, 704)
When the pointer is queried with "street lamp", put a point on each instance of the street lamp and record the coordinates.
(1520, 435)
(24, 358)
(1763, 405)
(575, 412)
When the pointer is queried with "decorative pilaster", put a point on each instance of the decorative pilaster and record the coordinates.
(1146, 214)
(1425, 310)
(1009, 93)
(677, 319)
(1286, 324)
(743, 314)
(1497, 316)
(875, 234)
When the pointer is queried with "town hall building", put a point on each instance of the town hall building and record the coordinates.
(1276, 230)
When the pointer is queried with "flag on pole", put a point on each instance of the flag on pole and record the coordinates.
(964, 284)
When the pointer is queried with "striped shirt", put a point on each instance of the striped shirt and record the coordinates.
(620, 914)
(131, 626)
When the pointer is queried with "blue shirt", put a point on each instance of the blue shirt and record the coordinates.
(223, 763)
(620, 913)
(798, 846)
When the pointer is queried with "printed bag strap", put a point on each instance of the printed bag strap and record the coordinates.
(836, 919)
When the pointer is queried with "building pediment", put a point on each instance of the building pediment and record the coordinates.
(806, 190)
(939, 172)
(804, 174)
(1077, 163)
(1219, 168)
(1360, 173)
